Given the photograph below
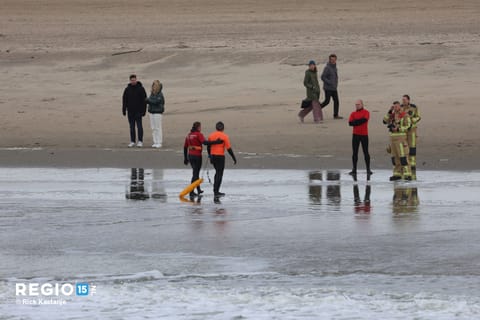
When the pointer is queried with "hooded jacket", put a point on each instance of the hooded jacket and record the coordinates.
(156, 102)
(134, 100)
(330, 77)
(311, 84)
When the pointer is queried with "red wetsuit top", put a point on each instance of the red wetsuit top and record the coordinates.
(359, 121)
(194, 143)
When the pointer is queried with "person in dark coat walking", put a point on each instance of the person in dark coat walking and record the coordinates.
(330, 85)
(134, 104)
(310, 81)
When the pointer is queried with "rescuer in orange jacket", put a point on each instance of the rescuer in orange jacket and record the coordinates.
(217, 156)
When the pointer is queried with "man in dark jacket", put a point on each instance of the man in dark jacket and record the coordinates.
(330, 84)
(135, 105)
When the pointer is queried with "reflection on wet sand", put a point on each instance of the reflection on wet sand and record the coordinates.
(333, 192)
(191, 199)
(362, 207)
(158, 185)
(405, 197)
(405, 200)
(136, 188)
(315, 193)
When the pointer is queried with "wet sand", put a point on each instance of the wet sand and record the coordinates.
(282, 244)
(67, 62)
(169, 158)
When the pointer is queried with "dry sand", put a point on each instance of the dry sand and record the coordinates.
(237, 61)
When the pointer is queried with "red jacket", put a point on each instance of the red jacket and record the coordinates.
(359, 121)
(194, 143)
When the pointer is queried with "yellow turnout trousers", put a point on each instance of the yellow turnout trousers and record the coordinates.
(400, 151)
(412, 145)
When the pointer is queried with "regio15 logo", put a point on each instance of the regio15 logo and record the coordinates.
(54, 289)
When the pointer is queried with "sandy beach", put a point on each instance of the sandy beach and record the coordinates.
(65, 65)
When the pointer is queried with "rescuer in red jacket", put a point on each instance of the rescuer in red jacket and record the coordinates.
(359, 121)
(192, 151)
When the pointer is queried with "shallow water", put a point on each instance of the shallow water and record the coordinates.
(279, 245)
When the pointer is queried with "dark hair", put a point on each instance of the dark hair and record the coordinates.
(196, 125)
(406, 96)
(133, 76)
(396, 102)
(220, 126)
(333, 55)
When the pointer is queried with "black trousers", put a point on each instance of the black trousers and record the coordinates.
(219, 165)
(196, 163)
(135, 119)
(336, 103)
(356, 141)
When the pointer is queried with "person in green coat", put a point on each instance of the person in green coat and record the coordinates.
(156, 107)
(313, 94)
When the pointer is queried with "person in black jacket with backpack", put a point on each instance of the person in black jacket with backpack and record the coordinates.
(135, 106)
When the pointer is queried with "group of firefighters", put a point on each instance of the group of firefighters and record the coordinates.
(402, 120)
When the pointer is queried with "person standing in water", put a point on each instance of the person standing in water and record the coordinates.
(312, 86)
(156, 107)
(359, 121)
(192, 152)
(216, 154)
(134, 105)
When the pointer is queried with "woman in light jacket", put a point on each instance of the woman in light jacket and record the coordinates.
(156, 107)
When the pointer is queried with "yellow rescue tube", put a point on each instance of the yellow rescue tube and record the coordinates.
(190, 188)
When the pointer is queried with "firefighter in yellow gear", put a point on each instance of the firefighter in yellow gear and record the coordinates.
(398, 123)
(414, 114)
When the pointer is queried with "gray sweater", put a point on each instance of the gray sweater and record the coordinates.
(330, 77)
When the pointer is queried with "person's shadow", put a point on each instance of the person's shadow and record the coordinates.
(136, 188)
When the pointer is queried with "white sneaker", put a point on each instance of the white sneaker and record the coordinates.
(131, 144)
(154, 145)
(140, 144)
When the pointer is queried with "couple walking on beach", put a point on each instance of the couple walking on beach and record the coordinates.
(134, 105)
(330, 83)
